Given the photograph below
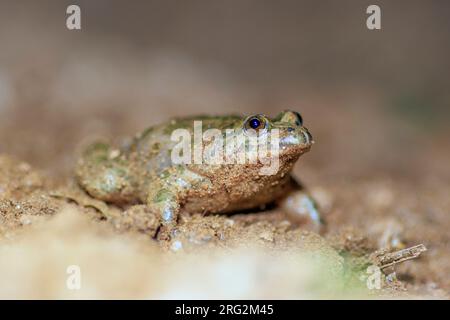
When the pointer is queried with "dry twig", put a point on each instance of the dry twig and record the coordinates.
(386, 259)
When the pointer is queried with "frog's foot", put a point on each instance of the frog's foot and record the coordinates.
(167, 213)
(164, 205)
(302, 208)
(138, 218)
(82, 199)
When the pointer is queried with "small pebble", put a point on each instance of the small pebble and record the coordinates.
(176, 246)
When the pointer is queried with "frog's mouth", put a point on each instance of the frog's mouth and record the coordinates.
(298, 138)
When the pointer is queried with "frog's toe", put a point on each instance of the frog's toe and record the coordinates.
(302, 208)
(138, 218)
(167, 213)
(146, 219)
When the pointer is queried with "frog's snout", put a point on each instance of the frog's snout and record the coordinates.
(307, 137)
(299, 137)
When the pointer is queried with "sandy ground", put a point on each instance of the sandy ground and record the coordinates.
(251, 255)
(260, 255)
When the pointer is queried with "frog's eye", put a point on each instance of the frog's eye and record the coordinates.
(298, 118)
(257, 123)
(292, 117)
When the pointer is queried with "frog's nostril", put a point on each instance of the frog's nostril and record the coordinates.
(290, 129)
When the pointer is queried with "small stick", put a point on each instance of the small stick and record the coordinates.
(384, 260)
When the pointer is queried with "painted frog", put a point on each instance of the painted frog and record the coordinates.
(143, 171)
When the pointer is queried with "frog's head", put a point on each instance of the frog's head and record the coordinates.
(272, 147)
(293, 138)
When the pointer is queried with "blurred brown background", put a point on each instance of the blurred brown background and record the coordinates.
(377, 102)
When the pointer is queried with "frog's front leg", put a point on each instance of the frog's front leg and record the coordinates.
(156, 218)
(300, 206)
(166, 195)
(164, 202)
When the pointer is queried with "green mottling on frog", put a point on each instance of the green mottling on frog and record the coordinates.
(142, 172)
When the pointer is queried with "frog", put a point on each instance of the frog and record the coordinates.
(143, 172)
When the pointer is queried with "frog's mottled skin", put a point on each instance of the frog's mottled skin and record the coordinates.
(142, 172)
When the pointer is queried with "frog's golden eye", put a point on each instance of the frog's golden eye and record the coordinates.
(257, 123)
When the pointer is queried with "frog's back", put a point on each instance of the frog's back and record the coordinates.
(151, 149)
(207, 122)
